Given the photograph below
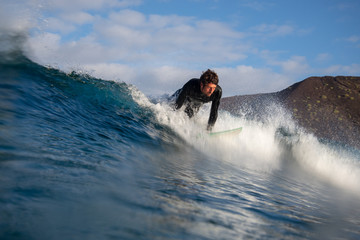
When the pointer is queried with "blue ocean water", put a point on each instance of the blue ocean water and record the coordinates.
(85, 158)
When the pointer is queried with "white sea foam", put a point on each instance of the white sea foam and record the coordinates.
(332, 164)
(260, 146)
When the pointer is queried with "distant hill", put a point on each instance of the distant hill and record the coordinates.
(327, 106)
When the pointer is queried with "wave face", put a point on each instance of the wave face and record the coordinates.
(85, 158)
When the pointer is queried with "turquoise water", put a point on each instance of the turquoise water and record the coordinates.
(85, 158)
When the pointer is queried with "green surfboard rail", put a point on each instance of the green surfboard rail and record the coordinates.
(226, 131)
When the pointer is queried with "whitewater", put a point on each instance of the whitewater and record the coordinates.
(88, 158)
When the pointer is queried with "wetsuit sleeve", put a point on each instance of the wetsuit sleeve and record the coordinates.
(182, 96)
(214, 109)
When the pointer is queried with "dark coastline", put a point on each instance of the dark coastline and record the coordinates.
(328, 107)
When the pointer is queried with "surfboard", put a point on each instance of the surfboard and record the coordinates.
(230, 131)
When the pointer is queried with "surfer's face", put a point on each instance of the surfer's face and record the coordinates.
(207, 89)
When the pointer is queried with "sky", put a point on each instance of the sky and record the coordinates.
(257, 46)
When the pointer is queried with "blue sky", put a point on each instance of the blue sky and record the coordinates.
(157, 45)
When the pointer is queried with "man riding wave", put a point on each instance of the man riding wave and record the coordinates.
(196, 92)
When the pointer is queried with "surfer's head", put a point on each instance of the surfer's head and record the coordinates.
(208, 82)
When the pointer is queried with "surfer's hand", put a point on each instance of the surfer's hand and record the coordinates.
(209, 128)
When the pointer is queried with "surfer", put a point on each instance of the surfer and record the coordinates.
(196, 92)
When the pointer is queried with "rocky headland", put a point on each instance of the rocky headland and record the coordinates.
(328, 107)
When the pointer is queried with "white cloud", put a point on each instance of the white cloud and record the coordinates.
(76, 5)
(272, 30)
(353, 39)
(43, 47)
(57, 25)
(164, 79)
(79, 18)
(256, 5)
(350, 70)
(158, 81)
(111, 71)
(249, 80)
(127, 18)
(296, 64)
(162, 40)
(322, 57)
(156, 53)
(48, 49)
(122, 36)
(14, 18)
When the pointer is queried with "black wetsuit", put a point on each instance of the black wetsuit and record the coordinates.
(193, 98)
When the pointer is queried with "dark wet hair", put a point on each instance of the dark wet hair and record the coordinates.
(209, 76)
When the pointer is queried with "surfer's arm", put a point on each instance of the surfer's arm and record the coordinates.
(214, 109)
(180, 99)
(182, 96)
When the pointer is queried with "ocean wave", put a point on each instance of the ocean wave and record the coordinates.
(75, 149)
